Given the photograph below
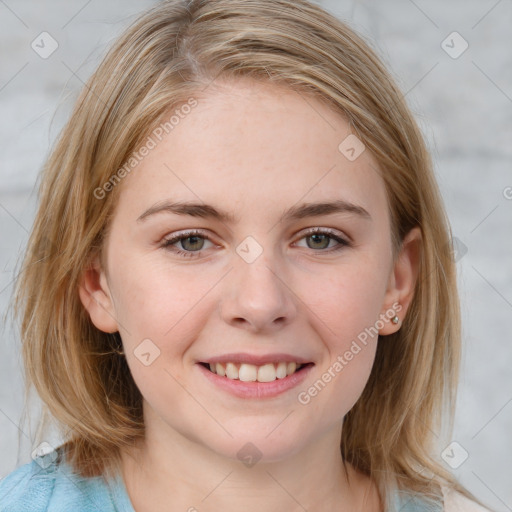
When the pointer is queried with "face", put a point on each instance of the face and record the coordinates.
(254, 278)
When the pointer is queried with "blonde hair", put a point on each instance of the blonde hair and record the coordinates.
(169, 55)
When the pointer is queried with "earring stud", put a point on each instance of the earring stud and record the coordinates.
(395, 319)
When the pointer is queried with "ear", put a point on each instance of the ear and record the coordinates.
(96, 298)
(402, 282)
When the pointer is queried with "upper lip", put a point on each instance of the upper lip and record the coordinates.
(256, 360)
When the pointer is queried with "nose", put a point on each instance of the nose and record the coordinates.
(256, 296)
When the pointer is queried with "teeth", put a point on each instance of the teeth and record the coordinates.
(267, 373)
(290, 368)
(248, 373)
(231, 371)
(219, 370)
(252, 373)
(281, 370)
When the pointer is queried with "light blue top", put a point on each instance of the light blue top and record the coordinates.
(47, 485)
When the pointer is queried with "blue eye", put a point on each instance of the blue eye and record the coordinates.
(195, 247)
(320, 235)
(193, 242)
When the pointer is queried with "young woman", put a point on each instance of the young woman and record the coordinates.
(239, 290)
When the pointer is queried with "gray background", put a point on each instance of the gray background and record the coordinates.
(463, 104)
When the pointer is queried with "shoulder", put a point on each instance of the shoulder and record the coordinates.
(456, 502)
(27, 488)
(47, 484)
(452, 501)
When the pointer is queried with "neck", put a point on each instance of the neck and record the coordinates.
(168, 471)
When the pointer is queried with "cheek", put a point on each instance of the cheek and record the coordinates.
(162, 310)
(342, 377)
(340, 380)
(345, 314)
(349, 302)
(155, 301)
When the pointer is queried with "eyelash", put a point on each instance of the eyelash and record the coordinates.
(168, 243)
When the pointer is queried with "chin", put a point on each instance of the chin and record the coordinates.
(258, 445)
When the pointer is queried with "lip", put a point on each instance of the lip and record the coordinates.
(256, 389)
(255, 359)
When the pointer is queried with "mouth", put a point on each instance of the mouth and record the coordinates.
(250, 381)
(256, 376)
(263, 373)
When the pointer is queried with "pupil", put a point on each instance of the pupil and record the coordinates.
(325, 237)
(195, 239)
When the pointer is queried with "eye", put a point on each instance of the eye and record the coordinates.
(322, 237)
(191, 241)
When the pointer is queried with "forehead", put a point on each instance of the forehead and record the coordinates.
(246, 144)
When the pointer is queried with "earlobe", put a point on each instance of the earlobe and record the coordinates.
(95, 296)
(402, 282)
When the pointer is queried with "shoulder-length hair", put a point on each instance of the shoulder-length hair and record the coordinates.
(168, 56)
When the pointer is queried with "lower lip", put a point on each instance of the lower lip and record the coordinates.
(256, 389)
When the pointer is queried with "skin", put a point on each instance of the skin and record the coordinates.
(253, 150)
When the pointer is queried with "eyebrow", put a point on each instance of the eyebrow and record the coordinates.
(294, 213)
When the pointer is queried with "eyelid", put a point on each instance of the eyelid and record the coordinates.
(342, 239)
(320, 229)
(308, 231)
(180, 235)
(168, 242)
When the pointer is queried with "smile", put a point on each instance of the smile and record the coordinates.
(247, 380)
(252, 373)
